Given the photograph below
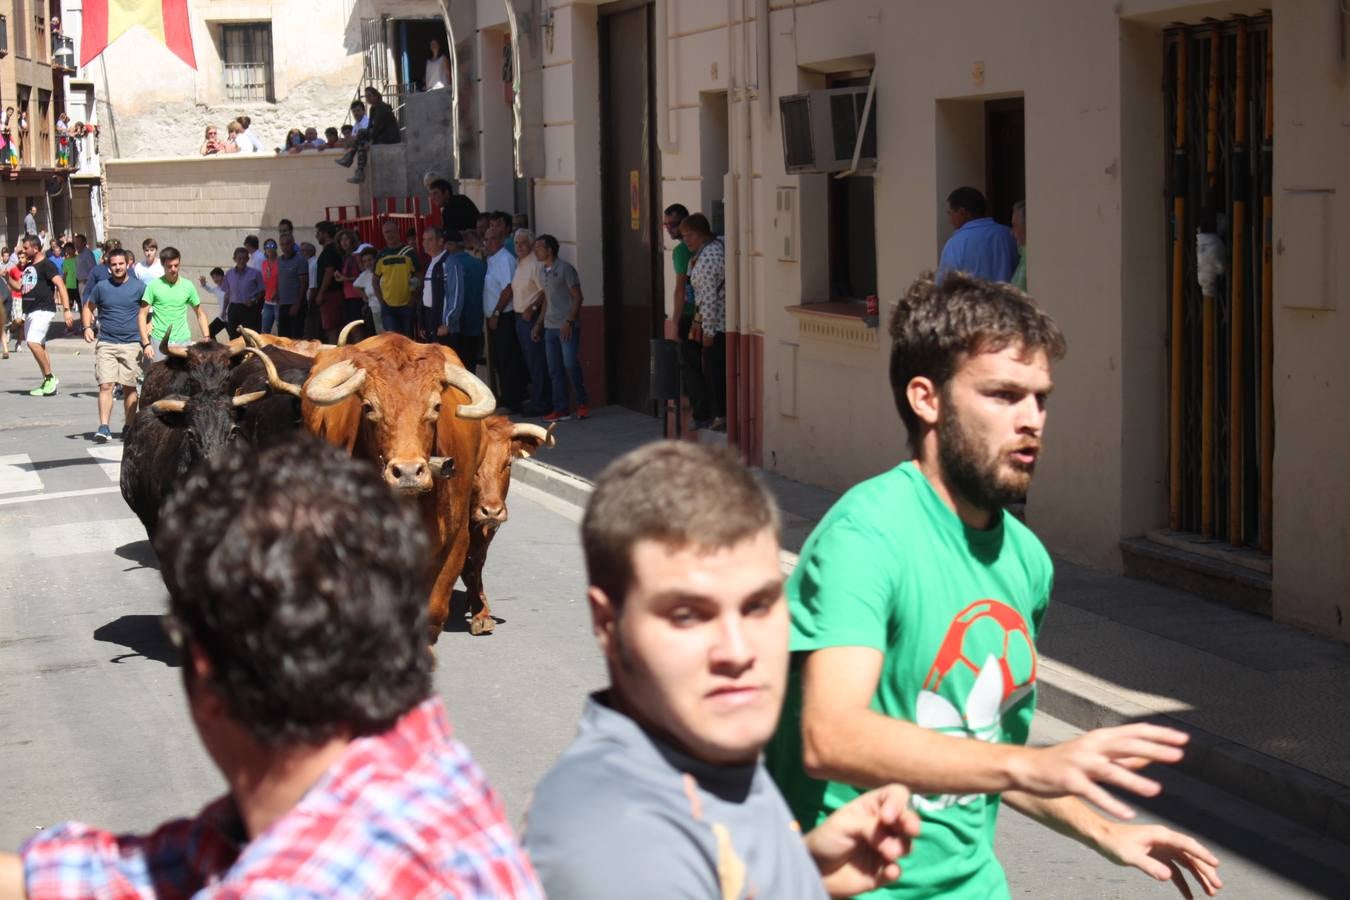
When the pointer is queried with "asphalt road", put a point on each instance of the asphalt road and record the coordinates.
(92, 723)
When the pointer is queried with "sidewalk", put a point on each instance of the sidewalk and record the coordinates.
(1266, 704)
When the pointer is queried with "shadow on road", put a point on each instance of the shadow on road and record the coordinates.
(458, 620)
(142, 635)
(140, 552)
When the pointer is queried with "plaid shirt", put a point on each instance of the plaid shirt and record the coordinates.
(406, 813)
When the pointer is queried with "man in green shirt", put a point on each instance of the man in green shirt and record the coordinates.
(682, 307)
(915, 608)
(164, 306)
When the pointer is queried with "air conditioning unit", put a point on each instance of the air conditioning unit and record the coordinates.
(820, 130)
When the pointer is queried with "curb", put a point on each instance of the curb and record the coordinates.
(1318, 804)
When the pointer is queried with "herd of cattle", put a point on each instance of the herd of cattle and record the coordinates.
(412, 409)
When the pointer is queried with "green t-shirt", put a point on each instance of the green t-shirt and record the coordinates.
(68, 270)
(169, 303)
(955, 611)
(679, 257)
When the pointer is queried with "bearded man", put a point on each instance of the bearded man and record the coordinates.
(915, 607)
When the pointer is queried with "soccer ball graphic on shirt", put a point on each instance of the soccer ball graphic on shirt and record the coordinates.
(988, 660)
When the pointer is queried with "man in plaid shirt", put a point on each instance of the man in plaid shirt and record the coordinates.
(307, 677)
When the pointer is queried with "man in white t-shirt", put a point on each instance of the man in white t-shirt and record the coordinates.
(149, 268)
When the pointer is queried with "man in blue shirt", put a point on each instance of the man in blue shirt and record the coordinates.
(117, 355)
(292, 286)
(465, 274)
(980, 246)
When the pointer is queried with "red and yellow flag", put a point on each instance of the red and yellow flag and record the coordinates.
(107, 20)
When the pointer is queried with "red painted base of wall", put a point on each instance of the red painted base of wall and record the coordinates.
(593, 353)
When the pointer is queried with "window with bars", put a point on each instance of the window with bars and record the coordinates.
(246, 55)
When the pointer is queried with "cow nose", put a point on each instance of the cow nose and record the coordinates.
(492, 512)
(408, 474)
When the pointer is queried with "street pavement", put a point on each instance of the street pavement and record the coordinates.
(93, 726)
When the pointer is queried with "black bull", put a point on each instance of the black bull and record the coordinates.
(199, 401)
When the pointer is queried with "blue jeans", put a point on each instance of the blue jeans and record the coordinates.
(564, 366)
(269, 317)
(397, 318)
(536, 363)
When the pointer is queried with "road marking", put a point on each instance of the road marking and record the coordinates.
(50, 541)
(17, 474)
(109, 458)
(59, 495)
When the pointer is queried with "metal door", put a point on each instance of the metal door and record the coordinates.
(633, 301)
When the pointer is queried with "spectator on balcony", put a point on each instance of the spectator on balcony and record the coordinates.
(332, 140)
(241, 139)
(346, 132)
(295, 140)
(438, 70)
(63, 142)
(383, 129)
(212, 144)
(312, 139)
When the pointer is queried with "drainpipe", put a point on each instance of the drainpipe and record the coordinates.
(668, 132)
(451, 51)
(764, 75)
(731, 199)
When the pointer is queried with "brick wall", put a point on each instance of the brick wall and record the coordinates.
(206, 206)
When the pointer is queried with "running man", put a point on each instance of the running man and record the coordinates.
(915, 607)
(44, 295)
(167, 299)
(116, 301)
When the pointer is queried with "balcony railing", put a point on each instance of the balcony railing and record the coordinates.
(63, 52)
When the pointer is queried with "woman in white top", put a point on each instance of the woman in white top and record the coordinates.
(438, 68)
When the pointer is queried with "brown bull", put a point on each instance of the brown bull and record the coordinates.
(505, 442)
(251, 338)
(415, 411)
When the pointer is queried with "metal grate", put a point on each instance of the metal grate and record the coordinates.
(246, 54)
(1221, 180)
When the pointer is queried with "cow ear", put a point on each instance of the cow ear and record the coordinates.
(524, 447)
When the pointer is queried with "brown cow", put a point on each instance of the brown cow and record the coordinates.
(506, 442)
(401, 405)
(251, 338)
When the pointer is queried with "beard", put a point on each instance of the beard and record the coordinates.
(975, 474)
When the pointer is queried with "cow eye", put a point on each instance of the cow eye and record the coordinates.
(234, 432)
(370, 411)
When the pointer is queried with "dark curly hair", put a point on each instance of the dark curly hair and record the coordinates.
(301, 576)
(936, 324)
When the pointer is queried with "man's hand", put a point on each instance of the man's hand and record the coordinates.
(1162, 854)
(1107, 756)
(148, 352)
(492, 322)
(856, 848)
(88, 334)
(443, 331)
(708, 339)
(566, 331)
(536, 334)
(68, 316)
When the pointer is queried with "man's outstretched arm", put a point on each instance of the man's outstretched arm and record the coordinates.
(843, 739)
(1156, 851)
(11, 877)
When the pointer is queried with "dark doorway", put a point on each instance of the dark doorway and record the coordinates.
(1005, 155)
(414, 49)
(633, 299)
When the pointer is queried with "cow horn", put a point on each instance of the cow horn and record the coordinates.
(245, 399)
(250, 337)
(167, 350)
(235, 351)
(544, 437)
(346, 331)
(169, 405)
(481, 402)
(335, 383)
(274, 380)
